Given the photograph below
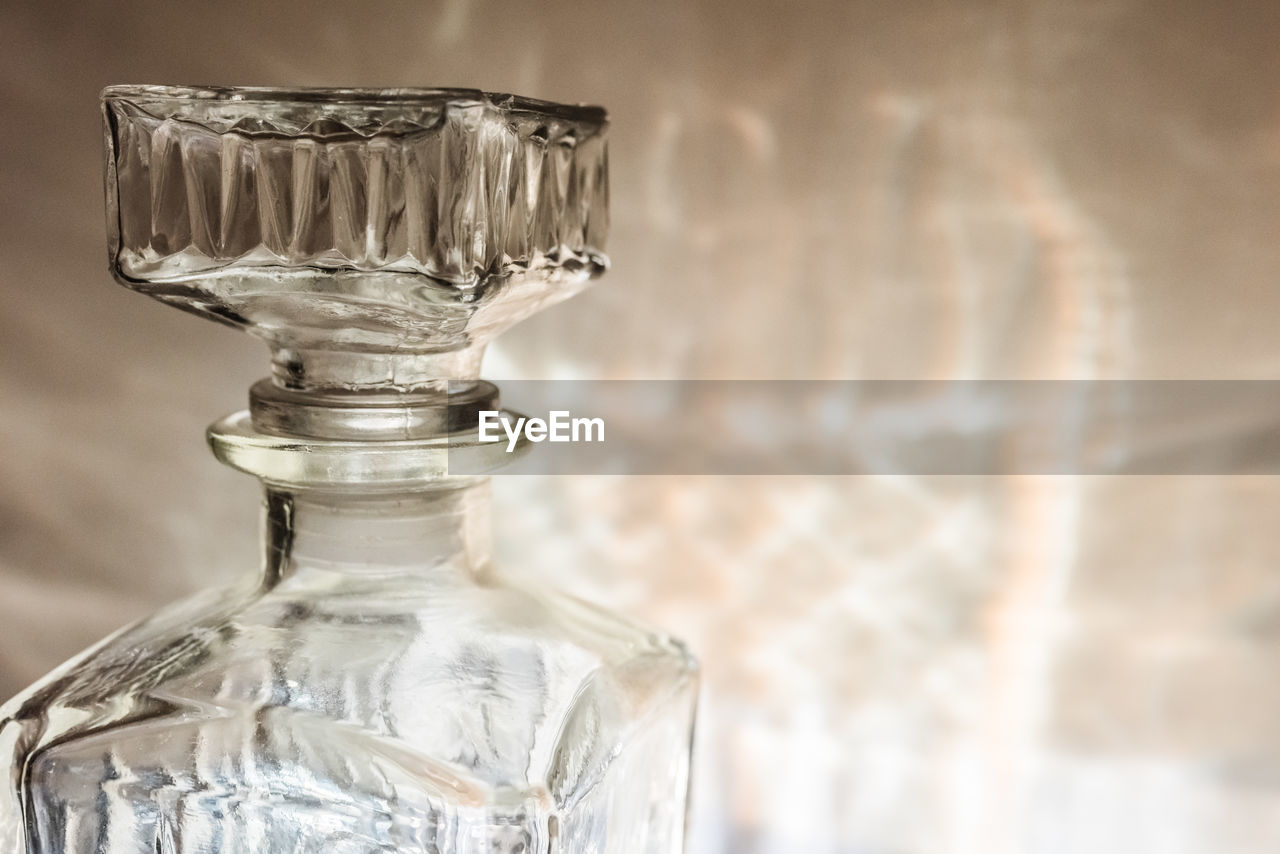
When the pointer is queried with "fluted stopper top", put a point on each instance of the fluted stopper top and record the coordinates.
(367, 221)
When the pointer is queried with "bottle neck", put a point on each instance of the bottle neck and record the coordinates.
(444, 530)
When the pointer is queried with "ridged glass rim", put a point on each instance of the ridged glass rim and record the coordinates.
(588, 116)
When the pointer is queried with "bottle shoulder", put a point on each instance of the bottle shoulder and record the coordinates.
(231, 624)
(136, 656)
(478, 685)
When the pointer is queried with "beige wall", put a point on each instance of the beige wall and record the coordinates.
(1040, 189)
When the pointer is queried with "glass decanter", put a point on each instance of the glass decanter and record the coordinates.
(378, 686)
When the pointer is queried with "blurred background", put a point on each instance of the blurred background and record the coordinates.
(1046, 189)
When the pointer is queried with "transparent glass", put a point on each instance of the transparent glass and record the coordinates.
(371, 237)
(377, 686)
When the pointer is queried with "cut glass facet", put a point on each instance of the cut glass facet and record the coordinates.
(374, 221)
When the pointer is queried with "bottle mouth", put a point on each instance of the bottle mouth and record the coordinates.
(364, 440)
(348, 465)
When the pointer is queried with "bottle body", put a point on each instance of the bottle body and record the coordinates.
(381, 688)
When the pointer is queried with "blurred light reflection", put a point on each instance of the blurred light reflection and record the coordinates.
(836, 190)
